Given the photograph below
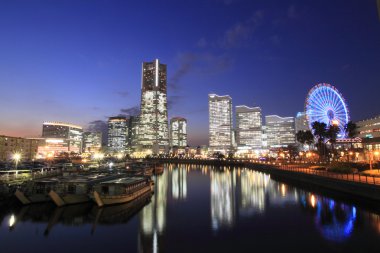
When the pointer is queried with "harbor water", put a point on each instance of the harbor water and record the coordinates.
(200, 209)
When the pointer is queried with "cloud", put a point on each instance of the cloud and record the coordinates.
(123, 93)
(239, 33)
(131, 111)
(173, 100)
(186, 63)
(205, 63)
(99, 126)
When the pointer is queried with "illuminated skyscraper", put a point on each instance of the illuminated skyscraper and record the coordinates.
(220, 123)
(117, 134)
(279, 131)
(178, 133)
(249, 127)
(153, 125)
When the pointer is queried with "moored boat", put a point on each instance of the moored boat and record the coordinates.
(36, 191)
(121, 190)
(76, 189)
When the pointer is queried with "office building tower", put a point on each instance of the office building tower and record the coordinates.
(178, 132)
(249, 127)
(280, 131)
(62, 137)
(301, 123)
(220, 123)
(92, 142)
(117, 134)
(132, 135)
(153, 124)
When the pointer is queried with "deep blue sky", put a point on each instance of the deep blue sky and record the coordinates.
(80, 61)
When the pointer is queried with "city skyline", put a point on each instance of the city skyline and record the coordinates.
(94, 72)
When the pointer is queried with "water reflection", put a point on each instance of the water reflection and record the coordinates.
(230, 198)
(179, 182)
(153, 216)
(252, 196)
(222, 198)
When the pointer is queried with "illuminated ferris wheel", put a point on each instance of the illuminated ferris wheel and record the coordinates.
(324, 103)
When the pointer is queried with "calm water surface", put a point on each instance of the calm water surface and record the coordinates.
(198, 209)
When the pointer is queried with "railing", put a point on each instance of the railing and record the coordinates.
(16, 178)
(354, 177)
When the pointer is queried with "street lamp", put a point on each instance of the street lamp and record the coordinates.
(16, 158)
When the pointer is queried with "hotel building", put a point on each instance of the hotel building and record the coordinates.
(249, 132)
(220, 123)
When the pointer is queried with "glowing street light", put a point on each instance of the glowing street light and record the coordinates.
(16, 158)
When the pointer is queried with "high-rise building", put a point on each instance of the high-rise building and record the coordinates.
(62, 137)
(117, 134)
(178, 132)
(301, 123)
(132, 136)
(249, 127)
(220, 123)
(92, 142)
(153, 124)
(279, 131)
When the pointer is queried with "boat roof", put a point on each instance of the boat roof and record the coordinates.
(86, 178)
(125, 180)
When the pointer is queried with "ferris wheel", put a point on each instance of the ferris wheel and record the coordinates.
(324, 103)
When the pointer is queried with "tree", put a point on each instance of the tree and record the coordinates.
(309, 137)
(300, 136)
(351, 130)
(305, 137)
(320, 132)
(332, 134)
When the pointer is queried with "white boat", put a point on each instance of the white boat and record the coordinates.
(121, 190)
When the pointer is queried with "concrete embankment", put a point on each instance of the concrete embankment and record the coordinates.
(355, 189)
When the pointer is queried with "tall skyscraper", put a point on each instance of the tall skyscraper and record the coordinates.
(301, 123)
(279, 131)
(117, 134)
(249, 132)
(62, 137)
(220, 123)
(178, 132)
(153, 125)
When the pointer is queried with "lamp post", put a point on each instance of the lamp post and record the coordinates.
(16, 158)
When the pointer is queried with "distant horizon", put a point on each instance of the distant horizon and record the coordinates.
(80, 62)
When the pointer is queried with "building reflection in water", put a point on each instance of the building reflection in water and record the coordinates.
(153, 216)
(252, 197)
(179, 183)
(222, 198)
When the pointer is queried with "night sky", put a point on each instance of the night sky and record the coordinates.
(80, 61)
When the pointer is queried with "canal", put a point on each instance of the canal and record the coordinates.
(199, 209)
